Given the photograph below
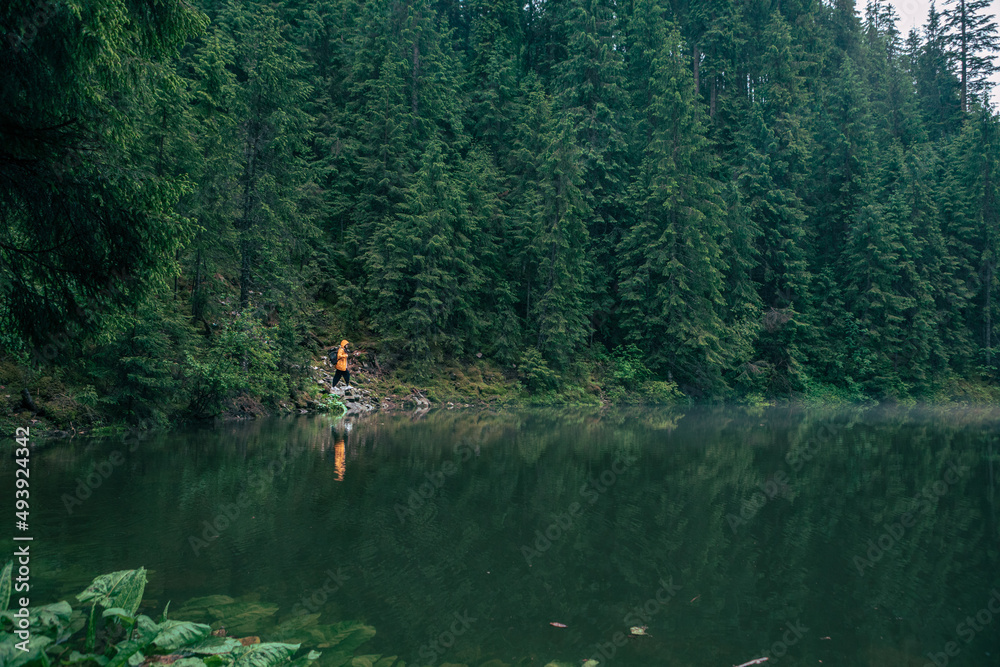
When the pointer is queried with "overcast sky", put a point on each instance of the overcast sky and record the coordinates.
(913, 14)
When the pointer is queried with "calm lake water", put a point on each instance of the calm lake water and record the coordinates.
(855, 537)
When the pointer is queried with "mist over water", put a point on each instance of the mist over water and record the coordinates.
(851, 537)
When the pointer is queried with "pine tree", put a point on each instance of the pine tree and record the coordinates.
(938, 90)
(272, 129)
(424, 274)
(589, 86)
(213, 164)
(892, 98)
(972, 37)
(549, 212)
(87, 227)
(494, 72)
(670, 268)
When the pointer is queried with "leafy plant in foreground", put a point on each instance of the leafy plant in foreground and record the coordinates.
(120, 636)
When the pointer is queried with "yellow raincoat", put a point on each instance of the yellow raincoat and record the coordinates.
(342, 356)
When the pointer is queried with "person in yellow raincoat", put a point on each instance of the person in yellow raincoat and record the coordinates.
(341, 365)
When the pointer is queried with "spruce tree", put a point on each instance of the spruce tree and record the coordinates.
(272, 125)
(972, 37)
(549, 214)
(87, 225)
(938, 89)
(670, 269)
(424, 274)
(590, 88)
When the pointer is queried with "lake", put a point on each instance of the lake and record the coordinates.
(808, 536)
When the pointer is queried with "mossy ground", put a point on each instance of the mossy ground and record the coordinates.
(67, 404)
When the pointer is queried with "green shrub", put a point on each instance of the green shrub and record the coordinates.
(660, 392)
(535, 372)
(628, 368)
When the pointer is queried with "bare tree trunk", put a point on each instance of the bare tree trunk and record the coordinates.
(697, 64)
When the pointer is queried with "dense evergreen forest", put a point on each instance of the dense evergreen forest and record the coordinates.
(755, 198)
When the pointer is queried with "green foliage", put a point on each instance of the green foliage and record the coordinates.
(628, 368)
(733, 196)
(88, 229)
(118, 590)
(536, 373)
(242, 360)
(54, 632)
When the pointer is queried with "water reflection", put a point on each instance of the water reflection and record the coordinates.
(721, 530)
(340, 458)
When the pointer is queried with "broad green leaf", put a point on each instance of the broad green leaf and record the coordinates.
(264, 655)
(147, 625)
(241, 618)
(136, 659)
(337, 658)
(120, 614)
(208, 601)
(214, 645)
(296, 623)
(118, 589)
(175, 634)
(188, 662)
(364, 660)
(76, 657)
(57, 613)
(386, 662)
(221, 660)
(11, 656)
(143, 635)
(306, 660)
(58, 616)
(346, 636)
(5, 583)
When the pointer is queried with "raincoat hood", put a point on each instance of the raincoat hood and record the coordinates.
(343, 342)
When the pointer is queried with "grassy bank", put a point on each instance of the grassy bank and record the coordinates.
(65, 400)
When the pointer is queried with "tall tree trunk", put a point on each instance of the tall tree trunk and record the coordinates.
(988, 307)
(697, 63)
(965, 57)
(196, 305)
(246, 224)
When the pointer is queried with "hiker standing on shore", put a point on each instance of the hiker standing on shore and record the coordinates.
(341, 365)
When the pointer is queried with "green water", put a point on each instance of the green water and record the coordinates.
(847, 537)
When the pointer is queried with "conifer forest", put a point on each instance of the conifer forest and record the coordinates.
(760, 198)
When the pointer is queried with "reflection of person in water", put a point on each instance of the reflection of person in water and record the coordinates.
(340, 457)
